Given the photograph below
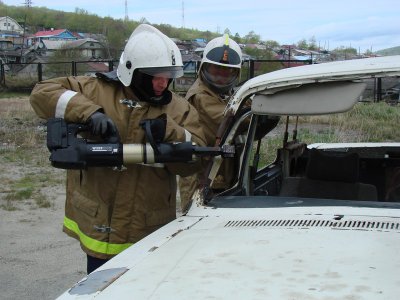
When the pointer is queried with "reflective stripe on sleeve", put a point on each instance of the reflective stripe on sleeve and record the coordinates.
(92, 244)
(63, 102)
(188, 136)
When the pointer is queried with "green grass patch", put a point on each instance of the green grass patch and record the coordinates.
(29, 187)
(13, 94)
(9, 206)
(367, 122)
(20, 194)
(42, 201)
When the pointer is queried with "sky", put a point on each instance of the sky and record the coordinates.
(360, 24)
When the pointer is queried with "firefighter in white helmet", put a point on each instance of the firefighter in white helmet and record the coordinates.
(108, 210)
(218, 73)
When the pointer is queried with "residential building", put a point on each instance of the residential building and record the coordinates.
(9, 25)
(86, 48)
(51, 35)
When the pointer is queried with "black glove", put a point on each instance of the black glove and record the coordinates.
(103, 126)
(157, 128)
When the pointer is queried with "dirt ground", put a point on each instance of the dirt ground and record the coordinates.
(37, 260)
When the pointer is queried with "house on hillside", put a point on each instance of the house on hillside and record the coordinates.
(191, 61)
(256, 46)
(48, 47)
(86, 48)
(6, 44)
(300, 54)
(185, 47)
(51, 35)
(199, 42)
(11, 31)
(13, 43)
(8, 24)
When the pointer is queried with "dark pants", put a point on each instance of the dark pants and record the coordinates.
(93, 263)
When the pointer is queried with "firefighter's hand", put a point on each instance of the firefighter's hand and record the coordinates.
(101, 125)
(157, 127)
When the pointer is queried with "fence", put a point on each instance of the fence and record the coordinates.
(23, 76)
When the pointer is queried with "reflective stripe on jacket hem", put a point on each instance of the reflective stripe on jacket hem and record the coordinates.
(92, 244)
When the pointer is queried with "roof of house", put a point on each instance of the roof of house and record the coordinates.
(190, 57)
(78, 43)
(54, 32)
(53, 45)
(98, 66)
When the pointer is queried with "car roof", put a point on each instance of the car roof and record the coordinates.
(338, 86)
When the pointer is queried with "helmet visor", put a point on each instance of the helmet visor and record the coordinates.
(219, 75)
(167, 72)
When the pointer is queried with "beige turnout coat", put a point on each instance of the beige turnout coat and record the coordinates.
(108, 210)
(210, 107)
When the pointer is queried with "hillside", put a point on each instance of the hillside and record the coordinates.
(116, 31)
(389, 51)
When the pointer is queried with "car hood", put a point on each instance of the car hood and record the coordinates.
(316, 252)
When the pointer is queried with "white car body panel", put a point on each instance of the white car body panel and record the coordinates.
(341, 250)
(255, 257)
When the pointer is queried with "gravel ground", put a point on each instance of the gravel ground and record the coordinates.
(38, 261)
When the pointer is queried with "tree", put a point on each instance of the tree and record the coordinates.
(251, 38)
(312, 44)
(237, 38)
(143, 20)
(271, 45)
(346, 52)
(227, 31)
(81, 11)
(67, 55)
(368, 52)
(302, 44)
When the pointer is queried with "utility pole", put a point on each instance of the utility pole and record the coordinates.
(28, 3)
(126, 11)
(183, 14)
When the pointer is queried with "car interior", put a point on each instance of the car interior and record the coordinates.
(343, 173)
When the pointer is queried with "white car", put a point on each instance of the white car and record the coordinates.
(322, 221)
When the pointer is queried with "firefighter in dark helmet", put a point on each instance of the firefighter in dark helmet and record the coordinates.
(218, 73)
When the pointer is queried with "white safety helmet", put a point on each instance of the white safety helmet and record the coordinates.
(221, 63)
(151, 52)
